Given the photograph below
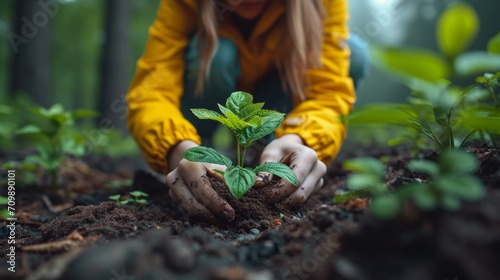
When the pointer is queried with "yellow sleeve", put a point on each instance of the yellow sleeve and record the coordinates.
(331, 91)
(154, 116)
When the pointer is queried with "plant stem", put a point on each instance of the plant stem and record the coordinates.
(451, 141)
(238, 153)
(243, 157)
(467, 138)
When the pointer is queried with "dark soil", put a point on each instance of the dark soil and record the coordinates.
(98, 239)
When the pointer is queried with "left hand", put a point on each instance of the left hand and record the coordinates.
(290, 150)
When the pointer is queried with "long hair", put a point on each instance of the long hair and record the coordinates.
(303, 41)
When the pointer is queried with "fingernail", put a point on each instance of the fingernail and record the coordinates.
(228, 213)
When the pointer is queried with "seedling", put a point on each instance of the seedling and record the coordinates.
(451, 181)
(368, 180)
(138, 197)
(54, 139)
(248, 122)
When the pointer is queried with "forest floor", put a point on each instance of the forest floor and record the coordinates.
(87, 236)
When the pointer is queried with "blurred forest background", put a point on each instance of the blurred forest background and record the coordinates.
(82, 53)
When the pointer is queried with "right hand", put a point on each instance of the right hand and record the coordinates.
(190, 188)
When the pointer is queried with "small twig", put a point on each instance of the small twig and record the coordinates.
(56, 209)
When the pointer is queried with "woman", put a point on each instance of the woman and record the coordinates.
(203, 50)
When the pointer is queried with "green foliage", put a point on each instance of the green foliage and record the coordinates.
(54, 138)
(368, 180)
(248, 122)
(438, 111)
(494, 44)
(138, 197)
(456, 29)
(451, 181)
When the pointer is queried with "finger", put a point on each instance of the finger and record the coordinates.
(262, 179)
(276, 193)
(213, 174)
(173, 197)
(200, 187)
(312, 182)
(187, 201)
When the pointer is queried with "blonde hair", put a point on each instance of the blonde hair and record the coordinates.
(304, 20)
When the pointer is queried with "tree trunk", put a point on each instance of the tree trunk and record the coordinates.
(30, 42)
(114, 66)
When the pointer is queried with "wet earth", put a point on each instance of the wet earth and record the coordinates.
(86, 236)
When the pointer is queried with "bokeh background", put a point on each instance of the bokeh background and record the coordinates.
(82, 53)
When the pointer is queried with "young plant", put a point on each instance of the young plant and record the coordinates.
(438, 110)
(54, 138)
(368, 180)
(248, 122)
(138, 197)
(451, 181)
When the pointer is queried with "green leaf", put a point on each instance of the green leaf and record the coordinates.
(457, 162)
(367, 165)
(494, 44)
(126, 201)
(456, 29)
(239, 180)
(204, 114)
(233, 121)
(385, 207)
(141, 201)
(279, 169)
(477, 62)
(83, 113)
(469, 188)
(251, 110)
(441, 116)
(237, 101)
(270, 121)
(138, 193)
(3, 200)
(481, 120)
(424, 197)
(380, 113)
(450, 203)
(408, 63)
(342, 198)
(115, 197)
(362, 181)
(424, 166)
(205, 154)
(29, 129)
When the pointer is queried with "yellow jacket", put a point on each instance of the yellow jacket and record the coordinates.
(154, 117)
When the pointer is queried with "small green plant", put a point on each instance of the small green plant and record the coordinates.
(438, 110)
(137, 198)
(367, 180)
(54, 138)
(248, 122)
(451, 180)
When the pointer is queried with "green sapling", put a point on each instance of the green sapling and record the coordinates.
(248, 122)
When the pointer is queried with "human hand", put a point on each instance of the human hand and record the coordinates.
(290, 149)
(190, 187)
